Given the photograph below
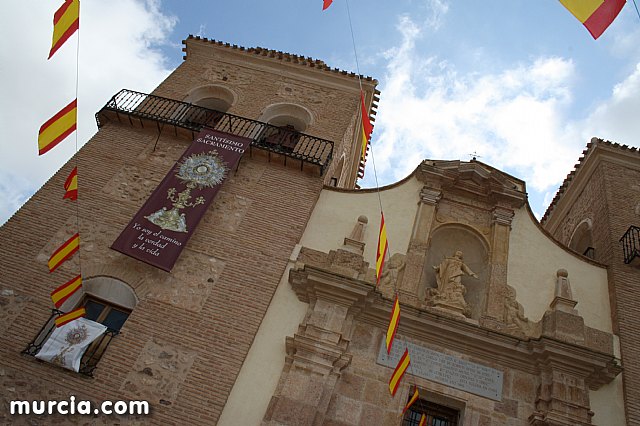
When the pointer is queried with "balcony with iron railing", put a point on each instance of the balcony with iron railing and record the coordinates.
(631, 246)
(90, 358)
(144, 110)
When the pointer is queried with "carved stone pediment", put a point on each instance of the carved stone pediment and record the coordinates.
(474, 178)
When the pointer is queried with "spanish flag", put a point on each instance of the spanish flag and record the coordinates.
(58, 127)
(423, 420)
(326, 4)
(67, 318)
(71, 185)
(65, 291)
(367, 128)
(393, 325)
(68, 249)
(396, 377)
(66, 21)
(413, 399)
(382, 248)
(595, 15)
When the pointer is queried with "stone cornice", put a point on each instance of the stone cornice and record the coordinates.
(532, 356)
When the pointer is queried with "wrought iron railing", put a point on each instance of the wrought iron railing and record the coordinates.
(92, 355)
(631, 244)
(284, 141)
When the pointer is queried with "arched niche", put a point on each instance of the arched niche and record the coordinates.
(109, 289)
(286, 114)
(444, 242)
(582, 239)
(215, 97)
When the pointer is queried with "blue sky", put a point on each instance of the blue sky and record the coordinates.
(521, 83)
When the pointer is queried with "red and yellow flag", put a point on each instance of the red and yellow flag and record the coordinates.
(58, 127)
(326, 4)
(423, 420)
(595, 15)
(396, 377)
(413, 399)
(67, 318)
(71, 185)
(66, 21)
(367, 128)
(65, 251)
(382, 248)
(393, 324)
(65, 291)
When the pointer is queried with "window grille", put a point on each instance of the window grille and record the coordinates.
(437, 415)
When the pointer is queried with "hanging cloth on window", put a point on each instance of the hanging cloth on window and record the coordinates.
(67, 343)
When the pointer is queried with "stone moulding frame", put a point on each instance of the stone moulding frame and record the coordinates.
(558, 365)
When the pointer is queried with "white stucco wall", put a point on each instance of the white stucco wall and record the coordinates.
(259, 375)
(608, 402)
(533, 261)
(336, 213)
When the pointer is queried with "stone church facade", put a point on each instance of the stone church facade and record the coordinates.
(271, 314)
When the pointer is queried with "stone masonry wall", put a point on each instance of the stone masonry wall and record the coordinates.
(362, 392)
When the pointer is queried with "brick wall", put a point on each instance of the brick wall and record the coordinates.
(623, 193)
(181, 352)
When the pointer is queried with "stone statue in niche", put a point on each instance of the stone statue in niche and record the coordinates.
(450, 292)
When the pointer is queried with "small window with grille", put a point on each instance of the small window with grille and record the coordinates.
(435, 414)
(108, 314)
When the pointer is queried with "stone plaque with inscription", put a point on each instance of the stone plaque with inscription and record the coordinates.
(445, 369)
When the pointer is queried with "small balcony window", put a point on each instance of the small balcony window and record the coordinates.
(101, 307)
(436, 415)
(631, 246)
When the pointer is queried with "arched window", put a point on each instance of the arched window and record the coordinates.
(285, 122)
(582, 239)
(213, 101)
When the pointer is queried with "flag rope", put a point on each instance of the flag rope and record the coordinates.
(77, 201)
(375, 174)
(636, 6)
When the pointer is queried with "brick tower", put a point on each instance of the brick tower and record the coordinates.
(178, 339)
(596, 212)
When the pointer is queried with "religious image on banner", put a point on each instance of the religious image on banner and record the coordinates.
(67, 343)
(204, 170)
(163, 225)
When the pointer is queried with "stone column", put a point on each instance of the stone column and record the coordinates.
(501, 219)
(409, 283)
(318, 353)
(563, 398)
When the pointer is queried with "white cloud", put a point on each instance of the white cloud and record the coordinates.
(617, 118)
(437, 10)
(517, 119)
(119, 43)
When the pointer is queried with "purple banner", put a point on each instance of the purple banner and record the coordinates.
(163, 225)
